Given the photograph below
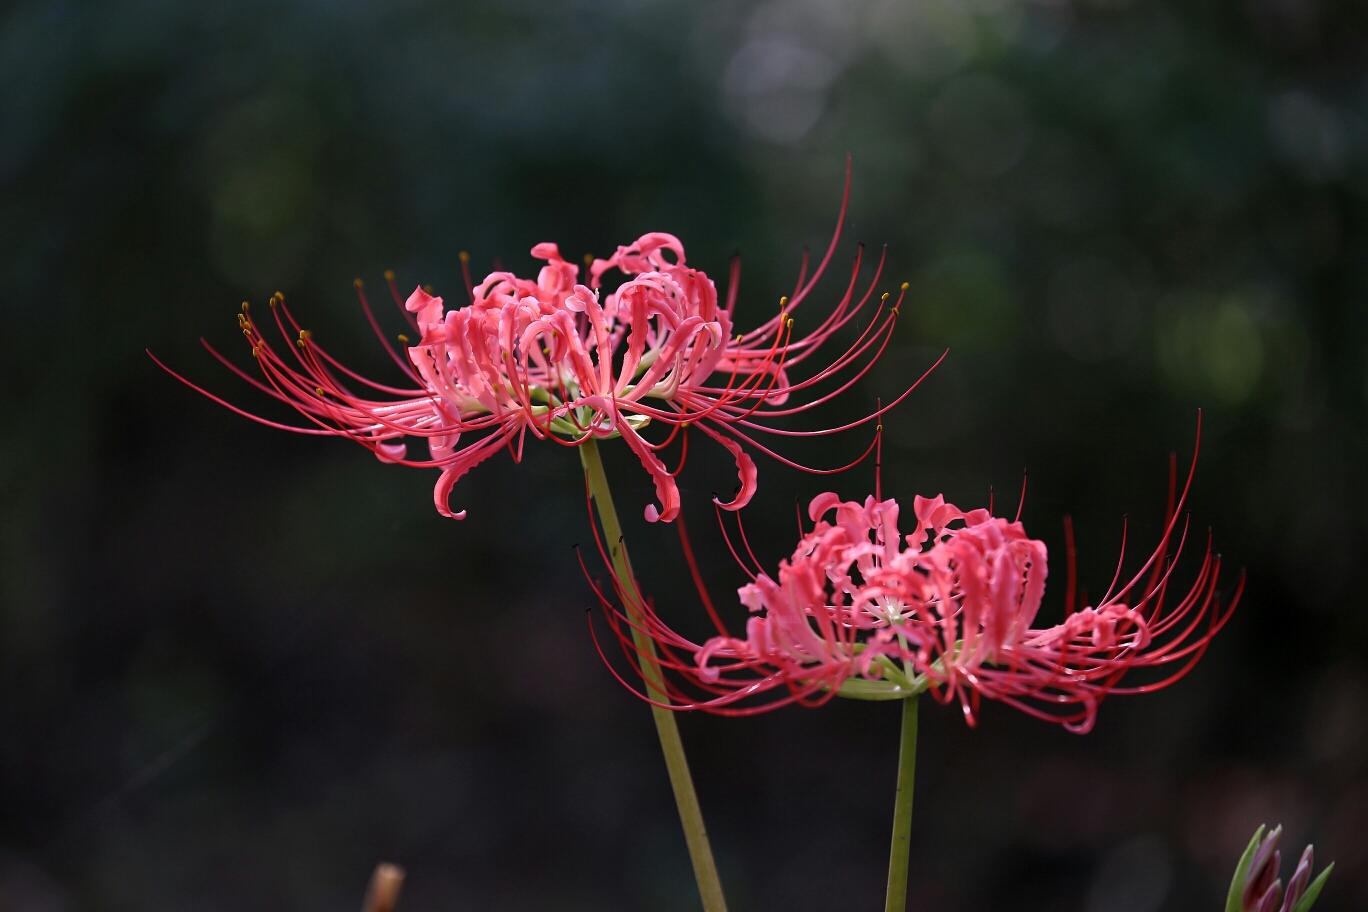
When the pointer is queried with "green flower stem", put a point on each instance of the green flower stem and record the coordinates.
(902, 810)
(695, 834)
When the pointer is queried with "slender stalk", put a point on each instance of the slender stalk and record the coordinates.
(902, 810)
(690, 815)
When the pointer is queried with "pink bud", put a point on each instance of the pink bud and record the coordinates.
(1300, 878)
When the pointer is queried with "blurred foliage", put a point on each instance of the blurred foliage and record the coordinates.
(240, 667)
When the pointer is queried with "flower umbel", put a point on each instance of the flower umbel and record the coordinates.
(863, 611)
(562, 358)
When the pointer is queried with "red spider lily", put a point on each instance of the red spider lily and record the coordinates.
(567, 362)
(861, 611)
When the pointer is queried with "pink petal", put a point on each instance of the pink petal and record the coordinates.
(745, 470)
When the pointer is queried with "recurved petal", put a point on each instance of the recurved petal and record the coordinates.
(465, 461)
(666, 489)
(426, 308)
(821, 504)
(745, 472)
(390, 451)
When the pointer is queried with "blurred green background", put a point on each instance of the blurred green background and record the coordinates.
(240, 667)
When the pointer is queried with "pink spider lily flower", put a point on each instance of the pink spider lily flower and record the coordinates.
(566, 361)
(862, 611)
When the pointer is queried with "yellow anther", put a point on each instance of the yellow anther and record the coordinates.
(389, 275)
(895, 310)
(427, 288)
(281, 296)
(878, 428)
(684, 425)
(739, 337)
(885, 296)
(588, 259)
(255, 352)
(299, 342)
(358, 283)
(789, 324)
(319, 390)
(463, 256)
(403, 338)
(906, 285)
(245, 306)
(783, 302)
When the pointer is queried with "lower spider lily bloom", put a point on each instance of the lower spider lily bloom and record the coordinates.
(860, 610)
(569, 362)
(1256, 886)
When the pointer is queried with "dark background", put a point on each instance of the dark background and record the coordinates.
(240, 667)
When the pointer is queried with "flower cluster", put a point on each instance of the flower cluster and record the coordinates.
(861, 610)
(562, 358)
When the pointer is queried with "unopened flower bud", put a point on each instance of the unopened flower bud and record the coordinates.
(1300, 878)
(1256, 886)
(1263, 871)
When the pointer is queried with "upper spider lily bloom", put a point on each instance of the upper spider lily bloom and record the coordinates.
(860, 610)
(1256, 886)
(566, 360)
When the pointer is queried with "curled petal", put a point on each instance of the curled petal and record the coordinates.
(387, 451)
(745, 472)
(666, 489)
(459, 466)
(821, 504)
(427, 309)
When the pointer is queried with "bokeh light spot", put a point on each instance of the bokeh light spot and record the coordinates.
(1211, 347)
(961, 299)
(981, 125)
